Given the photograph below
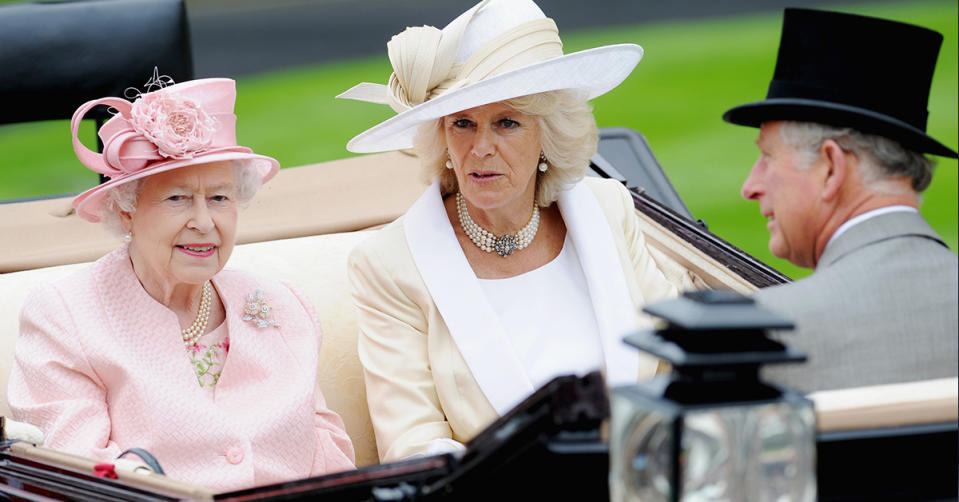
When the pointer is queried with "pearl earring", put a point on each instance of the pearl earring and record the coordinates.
(543, 166)
(127, 237)
(449, 164)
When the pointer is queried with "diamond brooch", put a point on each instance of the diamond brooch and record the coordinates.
(258, 311)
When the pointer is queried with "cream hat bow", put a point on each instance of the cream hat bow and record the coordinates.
(425, 66)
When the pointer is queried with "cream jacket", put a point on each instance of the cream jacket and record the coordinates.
(436, 360)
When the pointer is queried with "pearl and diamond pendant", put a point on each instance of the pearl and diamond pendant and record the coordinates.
(505, 244)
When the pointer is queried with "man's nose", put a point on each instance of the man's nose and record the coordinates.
(751, 188)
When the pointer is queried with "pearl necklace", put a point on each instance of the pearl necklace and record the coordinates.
(198, 328)
(505, 244)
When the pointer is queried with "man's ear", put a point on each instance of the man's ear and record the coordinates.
(837, 168)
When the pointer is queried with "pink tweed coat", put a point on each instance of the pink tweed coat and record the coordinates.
(100, 368)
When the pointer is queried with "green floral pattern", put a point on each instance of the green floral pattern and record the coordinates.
(208, 361)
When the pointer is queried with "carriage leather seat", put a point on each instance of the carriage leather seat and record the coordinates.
(301, 229)
(315, 264)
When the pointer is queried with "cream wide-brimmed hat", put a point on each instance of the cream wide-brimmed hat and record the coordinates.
(495, 51)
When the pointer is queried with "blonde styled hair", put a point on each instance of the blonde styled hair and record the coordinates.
(568, 136)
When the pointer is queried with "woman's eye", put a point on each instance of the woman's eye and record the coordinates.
(219, 198)
(461, 123)
(509, 123)
(176, 198)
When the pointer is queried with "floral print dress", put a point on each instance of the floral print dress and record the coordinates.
(208, 356)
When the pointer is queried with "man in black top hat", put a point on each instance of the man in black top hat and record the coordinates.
(842, 142)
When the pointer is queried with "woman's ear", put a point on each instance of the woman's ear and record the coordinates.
(126, 221)
(837, 168)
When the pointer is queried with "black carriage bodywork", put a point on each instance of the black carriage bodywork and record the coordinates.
(550, 447)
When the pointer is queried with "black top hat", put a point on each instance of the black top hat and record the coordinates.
(845, 70)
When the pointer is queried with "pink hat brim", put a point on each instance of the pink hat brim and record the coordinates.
(88, 203)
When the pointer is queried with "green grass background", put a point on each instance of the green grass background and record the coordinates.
(692, 72)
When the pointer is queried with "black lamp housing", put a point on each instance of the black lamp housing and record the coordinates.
(711, 429)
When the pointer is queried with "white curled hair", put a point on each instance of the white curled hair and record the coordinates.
(123, 198)
(880, 158)
(568, 135)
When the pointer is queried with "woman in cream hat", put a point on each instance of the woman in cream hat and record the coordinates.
(512, 268)
(155, 345)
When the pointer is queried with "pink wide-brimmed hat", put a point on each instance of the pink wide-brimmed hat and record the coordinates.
(176, 126)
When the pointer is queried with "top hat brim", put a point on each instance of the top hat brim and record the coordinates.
(593, 72)
(837, 115)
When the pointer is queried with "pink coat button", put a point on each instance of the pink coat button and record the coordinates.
(234, 455)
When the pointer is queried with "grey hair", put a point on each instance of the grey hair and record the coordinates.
(123, 198)
(568, 135)
(880, 158)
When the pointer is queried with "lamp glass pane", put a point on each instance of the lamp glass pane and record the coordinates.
(761, 452)
(642, 444)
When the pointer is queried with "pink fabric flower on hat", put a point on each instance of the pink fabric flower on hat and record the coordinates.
(177, 126)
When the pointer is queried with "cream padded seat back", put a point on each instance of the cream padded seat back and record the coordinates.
(315, 264)
(14, 288)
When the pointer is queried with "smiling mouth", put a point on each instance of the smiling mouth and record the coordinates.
(199, 250)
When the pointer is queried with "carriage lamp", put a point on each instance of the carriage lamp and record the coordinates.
(711, 429)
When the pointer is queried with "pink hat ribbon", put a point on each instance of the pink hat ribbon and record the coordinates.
(157, 126)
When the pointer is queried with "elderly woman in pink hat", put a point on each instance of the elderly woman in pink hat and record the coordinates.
(512, 268)
(156, 345)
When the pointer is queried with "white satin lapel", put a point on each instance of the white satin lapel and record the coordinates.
(615, 314)
(472, 322)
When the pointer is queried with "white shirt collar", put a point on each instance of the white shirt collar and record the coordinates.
(867, 215)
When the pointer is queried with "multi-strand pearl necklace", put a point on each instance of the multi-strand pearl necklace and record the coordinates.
(198, 328)
(505, 244)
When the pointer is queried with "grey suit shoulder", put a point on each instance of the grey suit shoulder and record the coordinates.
(881, 307)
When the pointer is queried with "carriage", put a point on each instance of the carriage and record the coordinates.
(894, 442)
